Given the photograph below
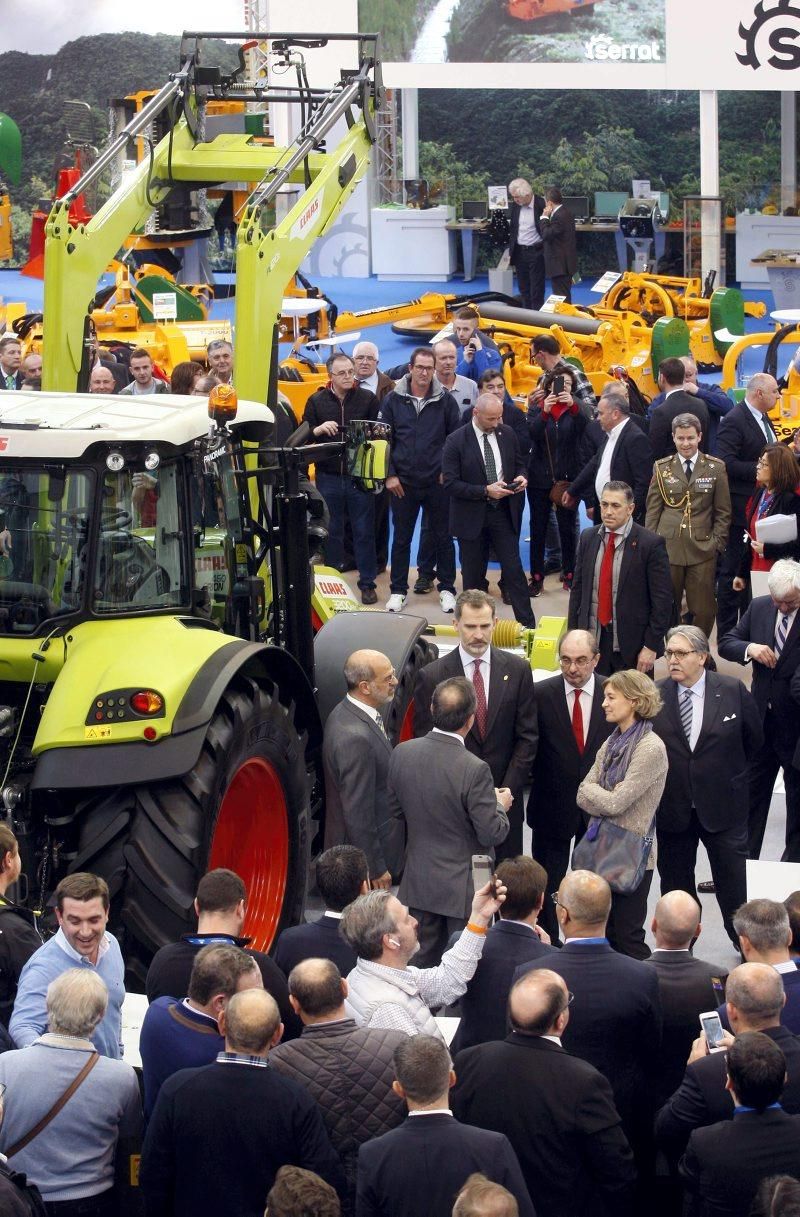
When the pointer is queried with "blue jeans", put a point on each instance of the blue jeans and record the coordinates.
(344, 499)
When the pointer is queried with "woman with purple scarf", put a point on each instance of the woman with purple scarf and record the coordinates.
(627, 781)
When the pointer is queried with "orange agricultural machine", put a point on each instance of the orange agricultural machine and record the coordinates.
(529, 10)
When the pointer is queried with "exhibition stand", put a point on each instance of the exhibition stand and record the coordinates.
(756, 234)
(413, 243)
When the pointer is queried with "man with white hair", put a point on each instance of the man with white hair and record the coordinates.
(368, 374)
(526, 246)
(768, 636)
(71, 1159)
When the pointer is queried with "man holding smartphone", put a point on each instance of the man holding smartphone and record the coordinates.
(477, 351)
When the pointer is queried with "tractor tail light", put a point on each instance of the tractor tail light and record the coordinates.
(147, 701)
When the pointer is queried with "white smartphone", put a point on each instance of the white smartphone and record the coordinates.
(482, 871)
(712, 1029)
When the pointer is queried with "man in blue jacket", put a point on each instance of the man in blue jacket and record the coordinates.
(421, 414)
(476, 351)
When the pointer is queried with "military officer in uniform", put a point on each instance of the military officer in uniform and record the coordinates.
(689, 505)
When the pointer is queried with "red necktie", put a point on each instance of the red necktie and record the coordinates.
(605, 587)
(577, 720)
(481, 711)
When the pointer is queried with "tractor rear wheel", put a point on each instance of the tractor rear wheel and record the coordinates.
(400, 719)
(245, 805)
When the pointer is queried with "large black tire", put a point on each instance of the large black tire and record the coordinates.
(400, 719)
(153, 842)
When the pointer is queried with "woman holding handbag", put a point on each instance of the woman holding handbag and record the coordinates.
(620, 794)
(556, 425)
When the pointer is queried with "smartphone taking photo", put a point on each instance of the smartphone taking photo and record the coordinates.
(712, 1029)
(482, 872)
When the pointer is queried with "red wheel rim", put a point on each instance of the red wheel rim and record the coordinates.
(407, 726)
(251, 837)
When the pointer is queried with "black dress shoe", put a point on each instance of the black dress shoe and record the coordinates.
(707, 887)
(552, 565)
(422, 587)
(369, 595)
(535, 585)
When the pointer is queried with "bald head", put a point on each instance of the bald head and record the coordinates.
(317, 991)
(101, 380)
(755, 996)
(537, 1003)
(369, 676)
(487, 412)
(585, 902)
(676, 921)
(251, 1022)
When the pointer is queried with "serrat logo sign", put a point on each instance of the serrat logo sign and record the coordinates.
(773, 38)
(601, 47)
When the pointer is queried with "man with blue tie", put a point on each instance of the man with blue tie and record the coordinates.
(768, 636)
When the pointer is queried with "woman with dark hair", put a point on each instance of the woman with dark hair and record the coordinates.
(777, 480)
(556, 425)
(19, 937)
(626, 783)
(185, 377)
(778, 1196)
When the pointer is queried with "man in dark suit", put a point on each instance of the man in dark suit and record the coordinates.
(624, 457)
(686, 985)
(484, 472)
(711, 728)
(421, 1166)
(754, 1001)
(765, 936)
(560, 243)
(724, 1165)
(556, 1110)
(342, 876)
(571, 726)
(10, 359)
(622, 590)
(512, 941)
(671, 375)
(451, 809)
(525, 247)
(356, 753)
(615, 1019)
(769, 635)
(504, 731)
(742, 436)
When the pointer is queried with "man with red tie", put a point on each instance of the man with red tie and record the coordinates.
(622, 589)
(504, 731)
(571, 727)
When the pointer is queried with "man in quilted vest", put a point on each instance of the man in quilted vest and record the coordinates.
(348, 1069)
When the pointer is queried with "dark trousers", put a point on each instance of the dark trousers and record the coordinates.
(562, 286)
(434, 501)
(426, 552)
(91, 1206)
(610, 660)
(727, 853)
(540, 505)
(553, 854)
(346, 501)
(763, 772)
(512, 846)
(730, 603)
(625, 929)
(499, 534)
(434, 933)
(529, 265)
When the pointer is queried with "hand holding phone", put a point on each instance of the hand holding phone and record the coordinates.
(558, 385)
(713, 1031)
(483, 872)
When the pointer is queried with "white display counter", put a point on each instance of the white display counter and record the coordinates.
(755, 233)
(408, 243)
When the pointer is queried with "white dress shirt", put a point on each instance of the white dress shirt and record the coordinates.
(586, 702)
(527, 233)
(698, 692)
(468, 664)
(368, 710)
(604, 470)
(759, 417)
(493, 444)
(449, 734)
(789, 624)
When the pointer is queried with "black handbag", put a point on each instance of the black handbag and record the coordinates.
(616, 854)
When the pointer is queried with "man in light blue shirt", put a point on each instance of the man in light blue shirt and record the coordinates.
(82, 941)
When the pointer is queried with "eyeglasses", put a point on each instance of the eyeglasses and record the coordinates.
(556, 901)
(762, 460)
(678, 654)
(582, 661)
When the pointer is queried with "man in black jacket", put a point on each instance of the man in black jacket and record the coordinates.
(711, 728)
(560, 245)
(754, 998)
(342, 876)
(421, 414)
(556, 1110)
(724, 1165)
(348, 1069)
(483, 470)
(572, 726)
(525, 247)
(421, 1166)
(328, 413)
(671, 374)
(768, 636)
(622, 589)
(624, 457)
(742, 436)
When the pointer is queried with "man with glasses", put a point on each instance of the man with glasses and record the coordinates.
(711, 729)
(572, 726)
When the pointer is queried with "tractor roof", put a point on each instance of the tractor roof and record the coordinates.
(63, 425)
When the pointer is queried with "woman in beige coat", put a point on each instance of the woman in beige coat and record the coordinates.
(626, 782)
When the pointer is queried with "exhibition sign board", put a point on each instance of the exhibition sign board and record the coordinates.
(619, 44)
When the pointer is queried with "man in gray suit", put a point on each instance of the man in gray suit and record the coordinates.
(451, 809)
(356, 753)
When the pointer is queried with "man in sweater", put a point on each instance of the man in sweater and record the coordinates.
(71, 1160)
(219, 1134)
(383, 990)
(185, 1034)
(82, 941)
(348, 1069)
(144, 382)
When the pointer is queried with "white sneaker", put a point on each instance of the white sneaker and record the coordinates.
(447, 602)
(395, 603)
